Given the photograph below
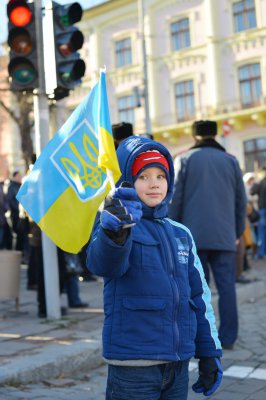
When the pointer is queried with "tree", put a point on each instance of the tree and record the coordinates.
(24, 121)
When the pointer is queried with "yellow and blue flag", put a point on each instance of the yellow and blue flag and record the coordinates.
(69, 180)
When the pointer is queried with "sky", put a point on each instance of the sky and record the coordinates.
(3, 17)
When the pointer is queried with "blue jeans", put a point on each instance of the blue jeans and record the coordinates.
(158, 382)
(1, 237)
(72, 289)
(261, 233)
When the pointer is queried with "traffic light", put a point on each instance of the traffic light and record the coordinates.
(63, 66)
(23, 60)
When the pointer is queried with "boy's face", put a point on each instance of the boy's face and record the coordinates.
(151, 186)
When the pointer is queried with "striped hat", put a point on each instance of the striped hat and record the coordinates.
(150, 158)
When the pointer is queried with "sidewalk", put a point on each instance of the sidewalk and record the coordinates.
(34, 349)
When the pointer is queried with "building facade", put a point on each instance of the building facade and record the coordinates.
(9, 138)
(206, 59)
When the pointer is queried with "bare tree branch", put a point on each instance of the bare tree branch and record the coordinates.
(24, 122)
(9, 111)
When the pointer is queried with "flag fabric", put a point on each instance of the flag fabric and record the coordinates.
(69, 180)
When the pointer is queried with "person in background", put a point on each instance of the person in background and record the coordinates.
(70, 268)
(86, 275)
(19, 224)
(209, 198)
(260, 190)
(245, 243)
(69, 284)
(3, 210)
(157, 305)
(33, 238)
(13, 188)
(121, 131)
(36, 267)
(253, 207)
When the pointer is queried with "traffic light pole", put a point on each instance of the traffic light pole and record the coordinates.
(41, 118)
(145, 72)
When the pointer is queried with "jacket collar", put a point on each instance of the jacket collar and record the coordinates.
(208, 143)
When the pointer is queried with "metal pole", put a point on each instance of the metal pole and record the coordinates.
(41, 120)
(145, 74)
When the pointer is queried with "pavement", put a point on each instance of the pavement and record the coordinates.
(34, 349)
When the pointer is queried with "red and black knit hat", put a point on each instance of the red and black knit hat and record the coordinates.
(150, 158)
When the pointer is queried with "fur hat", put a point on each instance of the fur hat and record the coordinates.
(204, 128)
(150, 158)
(122, 130)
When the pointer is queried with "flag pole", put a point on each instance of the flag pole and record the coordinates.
(110, 176)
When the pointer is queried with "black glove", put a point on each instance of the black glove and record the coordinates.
(121, 210)
(210, 376)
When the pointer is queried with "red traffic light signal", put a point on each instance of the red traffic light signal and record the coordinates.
(23, 65)
(18, 12)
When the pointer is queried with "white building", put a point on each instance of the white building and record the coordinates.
(206, 59)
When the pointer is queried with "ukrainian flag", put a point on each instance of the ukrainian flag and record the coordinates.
(69, 180)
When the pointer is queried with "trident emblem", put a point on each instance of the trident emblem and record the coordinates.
(90, 174)
(76, 159)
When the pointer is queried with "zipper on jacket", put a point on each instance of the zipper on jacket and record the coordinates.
(170, 270)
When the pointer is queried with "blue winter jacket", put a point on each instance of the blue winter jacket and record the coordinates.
(156, 300)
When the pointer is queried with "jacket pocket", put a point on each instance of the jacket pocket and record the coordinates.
(143, 320)
(146, 253)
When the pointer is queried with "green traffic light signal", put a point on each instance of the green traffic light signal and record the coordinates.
(69, 14)
(22, 72)
(23, 63)
(72, 72)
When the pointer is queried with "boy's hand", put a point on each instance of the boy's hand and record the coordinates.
(123, 209)
(210, 376)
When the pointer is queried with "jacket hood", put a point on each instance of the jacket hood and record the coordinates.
(127, 151)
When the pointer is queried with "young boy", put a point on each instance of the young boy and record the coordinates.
(156, 301)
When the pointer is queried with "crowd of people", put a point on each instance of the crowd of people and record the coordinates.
(169, 227)
(19, 232)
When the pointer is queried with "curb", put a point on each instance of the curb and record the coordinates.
(53, 361)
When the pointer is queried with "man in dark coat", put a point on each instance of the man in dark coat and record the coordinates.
(20, 225)
(3, 209)
(13, 189)
(209, 198)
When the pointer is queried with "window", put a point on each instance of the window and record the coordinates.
(123, 52)
(180, 34)
(126, 109)
(255, 154)
(184, 96)
(244, 15)
(250, 85)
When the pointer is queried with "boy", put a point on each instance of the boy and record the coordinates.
(156, 301)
